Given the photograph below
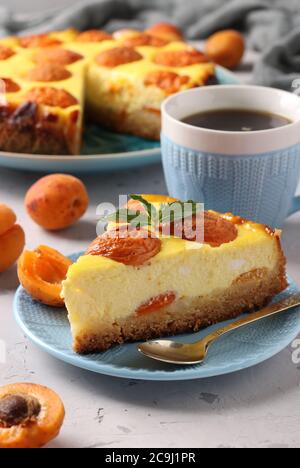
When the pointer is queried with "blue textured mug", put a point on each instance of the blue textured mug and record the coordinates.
(251, 174)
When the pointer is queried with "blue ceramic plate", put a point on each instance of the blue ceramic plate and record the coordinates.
(49, 328)
(102, 150)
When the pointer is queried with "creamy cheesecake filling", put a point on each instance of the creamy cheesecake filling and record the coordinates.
(99, 290)
(124, 85)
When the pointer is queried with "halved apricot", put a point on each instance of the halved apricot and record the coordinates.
(10, 85)
(157, 303)
(41, 273)
(166, 80)
(30, 416)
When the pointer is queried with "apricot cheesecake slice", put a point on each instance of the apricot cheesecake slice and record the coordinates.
(138, 287)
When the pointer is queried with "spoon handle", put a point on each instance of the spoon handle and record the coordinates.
(273, 309)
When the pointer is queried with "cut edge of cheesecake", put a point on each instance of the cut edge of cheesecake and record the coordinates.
(36, 129)
(94, 329)
(246, 295)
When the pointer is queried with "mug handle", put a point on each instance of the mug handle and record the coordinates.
(295, 206)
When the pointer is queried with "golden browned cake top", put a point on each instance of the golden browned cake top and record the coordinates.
(166, 62)
(133, 245)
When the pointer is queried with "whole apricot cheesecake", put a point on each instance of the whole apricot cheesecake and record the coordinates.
(47, 82)
(138, 283)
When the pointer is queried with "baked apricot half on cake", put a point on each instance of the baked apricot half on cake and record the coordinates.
(6, 52)
(166, 31)
(133, 248)
(39, 40)
(145, 40)
(57, 201)
(118, 56)
(51, 97)
(30, 416)
(180, 58)
(41, 273)
(216, 229)
(46, 72)
(10, 86)
(57, 56)
(168, 81)
(126, 34)
(94, 35)
(130, 287)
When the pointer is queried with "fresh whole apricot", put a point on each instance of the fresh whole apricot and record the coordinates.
(11, 246)
(41, 274)
(30, 416)
(7, 218)
(57, 201)
(226, 48)
(12, 238)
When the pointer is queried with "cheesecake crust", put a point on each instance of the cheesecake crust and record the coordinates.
(248, 292)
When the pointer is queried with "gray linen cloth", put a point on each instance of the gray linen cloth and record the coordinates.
(272, 26)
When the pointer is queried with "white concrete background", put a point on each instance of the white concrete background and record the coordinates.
(259, 407)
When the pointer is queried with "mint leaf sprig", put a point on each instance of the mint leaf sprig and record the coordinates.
(152, 217)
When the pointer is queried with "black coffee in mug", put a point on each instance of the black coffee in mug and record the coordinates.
(236, 120)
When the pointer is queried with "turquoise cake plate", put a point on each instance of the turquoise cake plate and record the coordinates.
(49, 329)
(102, 150)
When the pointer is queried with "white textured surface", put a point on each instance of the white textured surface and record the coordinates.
(258, 407)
